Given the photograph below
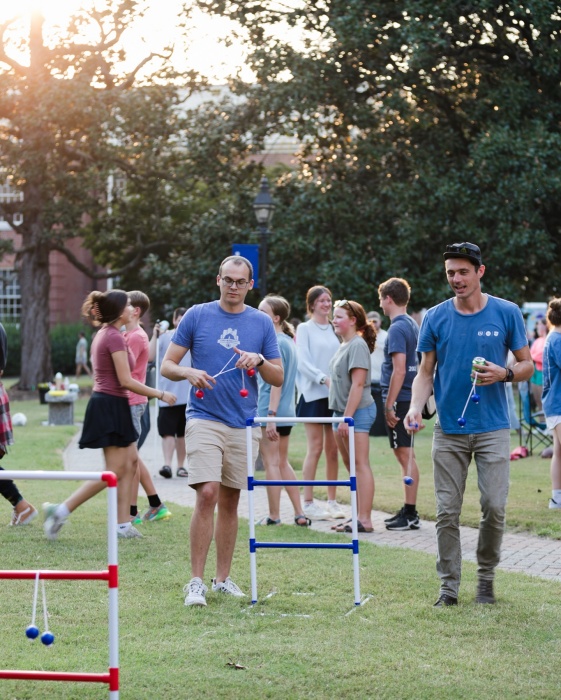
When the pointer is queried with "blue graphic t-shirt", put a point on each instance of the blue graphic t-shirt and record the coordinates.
(212, 334)
(458, 338)
(551, 397)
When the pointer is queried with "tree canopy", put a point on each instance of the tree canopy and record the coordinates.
(73, 126)
(421, 124)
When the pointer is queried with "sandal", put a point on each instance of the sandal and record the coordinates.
(347, 527)
(182, 472)
(337, 527)
(307, 522)
(165, 471)
(266, 520)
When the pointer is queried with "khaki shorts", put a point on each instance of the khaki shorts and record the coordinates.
(216, 452)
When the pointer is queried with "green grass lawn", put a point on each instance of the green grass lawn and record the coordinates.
(305, 638)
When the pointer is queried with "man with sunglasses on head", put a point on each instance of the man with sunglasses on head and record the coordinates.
(473, 419)
(230, 343)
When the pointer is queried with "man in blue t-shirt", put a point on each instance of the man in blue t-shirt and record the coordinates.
(399, 369)
(471, 325)
(229, 343)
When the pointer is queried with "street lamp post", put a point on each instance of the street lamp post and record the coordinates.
(263, 206)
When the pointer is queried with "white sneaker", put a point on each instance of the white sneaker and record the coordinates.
(128, 534)
(25, 517)
(554, 505)
(315, 512)
(335, 511)
(196, 591)
(227, 586)
(53, 523)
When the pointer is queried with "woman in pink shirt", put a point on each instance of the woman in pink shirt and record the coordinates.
(108, 423)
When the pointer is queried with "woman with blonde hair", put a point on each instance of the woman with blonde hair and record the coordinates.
(108, 422)
(316, 344)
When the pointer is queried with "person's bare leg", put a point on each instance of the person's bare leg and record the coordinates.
(136, 478)
(314, 438)
(168, 447)
(410, 492)
(270, 455)
(555, 468)
(202, 525)
(364, 477)
(180, 452)
(226, 530)
(331, 461)
(287, 474)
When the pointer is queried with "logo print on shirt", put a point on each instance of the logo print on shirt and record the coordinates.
(229, 338)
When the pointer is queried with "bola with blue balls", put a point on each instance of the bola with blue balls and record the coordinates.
(47, 638)
(32, 632)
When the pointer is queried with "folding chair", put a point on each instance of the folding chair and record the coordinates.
(532, 424)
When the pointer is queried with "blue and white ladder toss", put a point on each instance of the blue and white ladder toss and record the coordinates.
(252, 482)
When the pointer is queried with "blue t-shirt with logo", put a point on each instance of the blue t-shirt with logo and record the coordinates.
(457, 338)
(402, 338)
(211, 333)
(551, 397)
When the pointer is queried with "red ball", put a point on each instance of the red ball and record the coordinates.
(244, 393)
(199, 393)
(250, 372)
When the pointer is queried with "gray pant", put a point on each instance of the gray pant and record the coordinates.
(451, 455)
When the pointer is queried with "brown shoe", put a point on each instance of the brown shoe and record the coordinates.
(484, 592)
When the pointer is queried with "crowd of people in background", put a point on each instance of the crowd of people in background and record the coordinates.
(339, 362)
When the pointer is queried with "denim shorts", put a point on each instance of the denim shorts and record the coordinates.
(363, 417)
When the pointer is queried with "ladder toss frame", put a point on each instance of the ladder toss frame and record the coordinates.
(111, 575)
(252, 482)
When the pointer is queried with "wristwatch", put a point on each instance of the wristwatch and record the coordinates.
(261, 359)
(322, 380)
(271, 413)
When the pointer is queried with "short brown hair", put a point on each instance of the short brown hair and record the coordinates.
(396, 288)
(140, 300)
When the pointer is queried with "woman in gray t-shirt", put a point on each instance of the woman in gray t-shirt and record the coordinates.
(349, 395)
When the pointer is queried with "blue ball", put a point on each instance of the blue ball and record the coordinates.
(408, 480)
(414, 425)
(32, 632)
(47, 638)
(461, 422)
(475, 398)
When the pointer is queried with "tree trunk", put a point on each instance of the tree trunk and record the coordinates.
(35, 283)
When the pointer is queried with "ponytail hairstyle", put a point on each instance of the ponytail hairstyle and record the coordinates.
(554, 312)
(281, 308)
(313, 294)
(104, 307)
(364, 326)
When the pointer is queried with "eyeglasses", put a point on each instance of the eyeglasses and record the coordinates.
(239, 284)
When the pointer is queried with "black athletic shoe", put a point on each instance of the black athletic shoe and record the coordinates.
(396, 516)
(404, 521)
(445, 600)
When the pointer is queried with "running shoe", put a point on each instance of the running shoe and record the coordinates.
(334, 510)
(315, 512)
(396, 516)
(406, 521)
(53, 522)
(228, 587)
(25, 517)
(158, 513)
(196, 592)
(128, 534)
(554, 505)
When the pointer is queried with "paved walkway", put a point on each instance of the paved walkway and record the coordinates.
(521, 553)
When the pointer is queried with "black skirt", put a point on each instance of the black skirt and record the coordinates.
(313, 409)
(107, 423)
